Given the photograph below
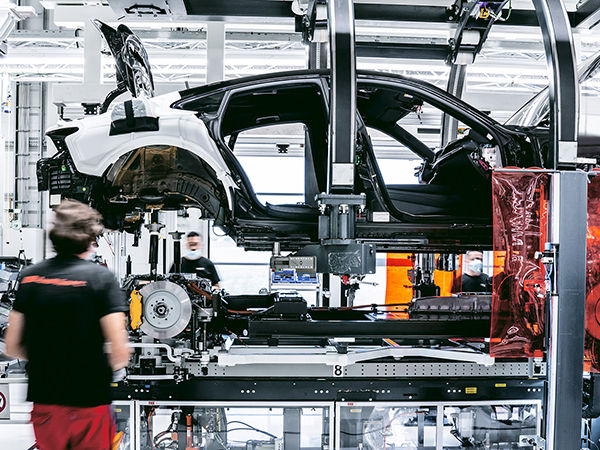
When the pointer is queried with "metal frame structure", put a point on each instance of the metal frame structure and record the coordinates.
(396, 384)
(333, 418)
(439, 409)
(564, 85)
(568, 216)
(456, 86)
(342, 103)
(566, 374)
(364, 10)
(249, 356)
(568, 219)
(250, 387)
(565, 356)
(370, 370)
(132, 419)
(291, 420)
(180, 57)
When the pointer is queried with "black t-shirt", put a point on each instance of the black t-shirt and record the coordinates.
(202, 266)
(480, 283)
(63, 299)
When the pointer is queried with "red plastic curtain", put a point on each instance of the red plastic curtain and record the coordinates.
(519, 290)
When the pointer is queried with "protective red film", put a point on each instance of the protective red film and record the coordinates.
(519, 290)
(592, 291)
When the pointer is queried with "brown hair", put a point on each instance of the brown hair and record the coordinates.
(75, 227)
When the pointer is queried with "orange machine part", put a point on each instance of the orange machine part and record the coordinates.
(447, 280)
(456, 278)
(398, 287)
(520, 214)
(188, 433)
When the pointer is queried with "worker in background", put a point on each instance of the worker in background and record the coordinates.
(66, 309)
(194, 262)
(473, 279)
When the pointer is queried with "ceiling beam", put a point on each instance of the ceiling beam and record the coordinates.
(588, 12)
(282, 9)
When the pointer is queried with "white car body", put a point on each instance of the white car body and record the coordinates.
(94, 151)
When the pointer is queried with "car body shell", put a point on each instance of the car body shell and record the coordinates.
(171, 152)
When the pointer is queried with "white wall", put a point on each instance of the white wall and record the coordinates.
(32, 240)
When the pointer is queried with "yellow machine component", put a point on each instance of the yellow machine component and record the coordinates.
(117, 439)
(135, 309)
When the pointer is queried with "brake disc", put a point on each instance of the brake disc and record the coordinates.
(166, 309)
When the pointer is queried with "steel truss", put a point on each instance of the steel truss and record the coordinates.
(179, 56)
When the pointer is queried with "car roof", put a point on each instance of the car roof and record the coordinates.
(291, 74)
(276, 76)
(307, 74)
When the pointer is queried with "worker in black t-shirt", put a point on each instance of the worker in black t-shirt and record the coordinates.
(66, 309)
(473, 278)
(194, 262)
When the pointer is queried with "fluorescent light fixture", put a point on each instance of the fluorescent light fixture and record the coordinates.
(260, 27)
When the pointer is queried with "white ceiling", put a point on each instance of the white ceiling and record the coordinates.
(510, 68)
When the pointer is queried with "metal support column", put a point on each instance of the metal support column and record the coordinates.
(456, 87)
(92, 56)
(567, 317)
(317, 59)
(339, 206)
(215, 51)
(342, 113)
(569, 213)
(317, 55)
(564, 86)
(29, 147)
(291, 428)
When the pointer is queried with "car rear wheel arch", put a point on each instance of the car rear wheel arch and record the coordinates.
(168, 177)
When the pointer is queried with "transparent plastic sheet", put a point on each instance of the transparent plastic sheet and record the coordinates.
(191, 425)
(122, 415)
(138, 107)
(489, 426)
(377, 427)
(413, 426)
(519, 290)
(592, 301)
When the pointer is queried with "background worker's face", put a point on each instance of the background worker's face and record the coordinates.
(194, 243)
(473, 263)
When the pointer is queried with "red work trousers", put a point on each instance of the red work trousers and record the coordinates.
(67, 427)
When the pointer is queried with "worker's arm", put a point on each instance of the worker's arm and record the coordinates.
(115, 333)
(213, 275)
(14, 335)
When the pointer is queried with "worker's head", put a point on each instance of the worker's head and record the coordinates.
(473, 263)
(75, 228)
(194, 245)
